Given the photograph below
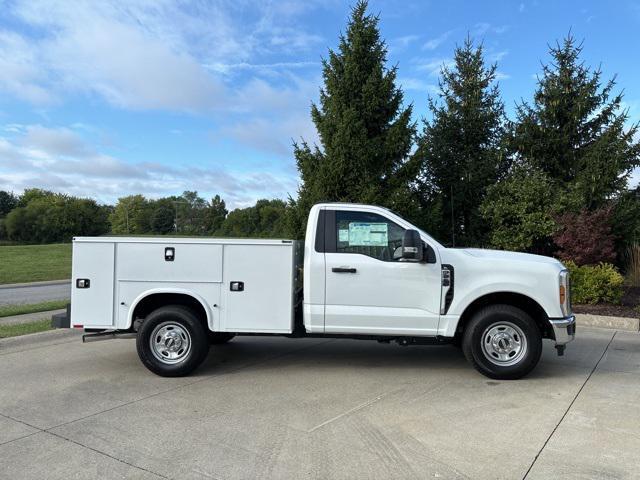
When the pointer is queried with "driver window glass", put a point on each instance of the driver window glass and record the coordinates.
(367, 234)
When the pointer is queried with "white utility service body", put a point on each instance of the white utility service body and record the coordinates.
(362, 272)
(123, 271)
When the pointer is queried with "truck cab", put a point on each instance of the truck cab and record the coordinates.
(363, 272)
(356, 280)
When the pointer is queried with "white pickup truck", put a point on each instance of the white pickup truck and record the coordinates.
(363, 272)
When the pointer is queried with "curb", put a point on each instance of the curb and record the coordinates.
(603, 321)
(29, 317)
(38, 338)
(35, 284)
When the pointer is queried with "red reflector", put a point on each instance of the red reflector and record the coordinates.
(78, 326)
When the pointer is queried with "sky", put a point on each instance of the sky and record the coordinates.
(109, 98)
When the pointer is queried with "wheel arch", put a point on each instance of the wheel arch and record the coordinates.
(515, 299)
(151, 300)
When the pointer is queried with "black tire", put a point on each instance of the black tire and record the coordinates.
(489, 349)
(219, 338)
(182, 328)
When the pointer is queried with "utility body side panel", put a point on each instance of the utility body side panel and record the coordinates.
(124, 271)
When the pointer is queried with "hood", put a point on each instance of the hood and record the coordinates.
(504, 255)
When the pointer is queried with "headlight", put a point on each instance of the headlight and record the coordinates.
(565, 293)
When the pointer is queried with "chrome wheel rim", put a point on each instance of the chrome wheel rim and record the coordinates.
(170, 342)
(504, 344)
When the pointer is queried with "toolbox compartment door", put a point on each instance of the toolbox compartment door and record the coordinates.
(258, 288)
(92, 306)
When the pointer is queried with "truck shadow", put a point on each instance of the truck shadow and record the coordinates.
(267, 353)
(276, 353)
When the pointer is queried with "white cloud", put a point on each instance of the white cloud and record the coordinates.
(20, 74)
(94, 48)
(437, 41)
(228, 68)
(209, 58)
(482, 28)
(279, 116)
(433, 66)
(56, 141)
(400, 43)
(262, 134)
(417, 84)
(60, 159)
(498, 56)
(140, 54)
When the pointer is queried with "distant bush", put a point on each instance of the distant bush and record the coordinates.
(601, 283)
(47, 218)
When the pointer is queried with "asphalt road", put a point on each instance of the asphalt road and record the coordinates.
(34, 293)
(277, 408)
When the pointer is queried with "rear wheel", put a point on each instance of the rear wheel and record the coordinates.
(172, 342)
(502, 342)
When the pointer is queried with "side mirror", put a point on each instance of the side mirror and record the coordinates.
(430, 255)
(412, 246)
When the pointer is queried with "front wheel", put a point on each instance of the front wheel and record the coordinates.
(172, 342)
(502, 342)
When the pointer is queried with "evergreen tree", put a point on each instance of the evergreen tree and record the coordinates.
(365, 132)
(163, 217)
(191, 210)
(575, 129)
(461, 148)
(215, 214)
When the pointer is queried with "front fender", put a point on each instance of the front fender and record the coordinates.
(543, 289)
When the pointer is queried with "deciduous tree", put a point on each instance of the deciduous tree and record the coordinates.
(266, 219)
(520, 211)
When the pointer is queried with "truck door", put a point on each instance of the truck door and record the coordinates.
(369, 291)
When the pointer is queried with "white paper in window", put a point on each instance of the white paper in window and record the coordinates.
(363, 234)
(343, 235)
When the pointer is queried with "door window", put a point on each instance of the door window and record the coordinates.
(367, 234)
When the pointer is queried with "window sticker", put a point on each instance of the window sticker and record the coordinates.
(363, 234)
(343, 235)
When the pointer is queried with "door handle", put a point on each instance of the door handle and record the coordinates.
(343, 270)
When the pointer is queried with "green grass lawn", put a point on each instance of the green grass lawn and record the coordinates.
(10, 310)
(24, 328)
(34, 263)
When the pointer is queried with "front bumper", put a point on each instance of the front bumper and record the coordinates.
(564, 329)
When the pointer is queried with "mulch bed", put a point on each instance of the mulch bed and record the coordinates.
(629, 306)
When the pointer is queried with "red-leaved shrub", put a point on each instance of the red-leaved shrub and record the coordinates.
(585, 238)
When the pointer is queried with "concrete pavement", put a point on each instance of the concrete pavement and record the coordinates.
(316, 408)
(37, 292)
